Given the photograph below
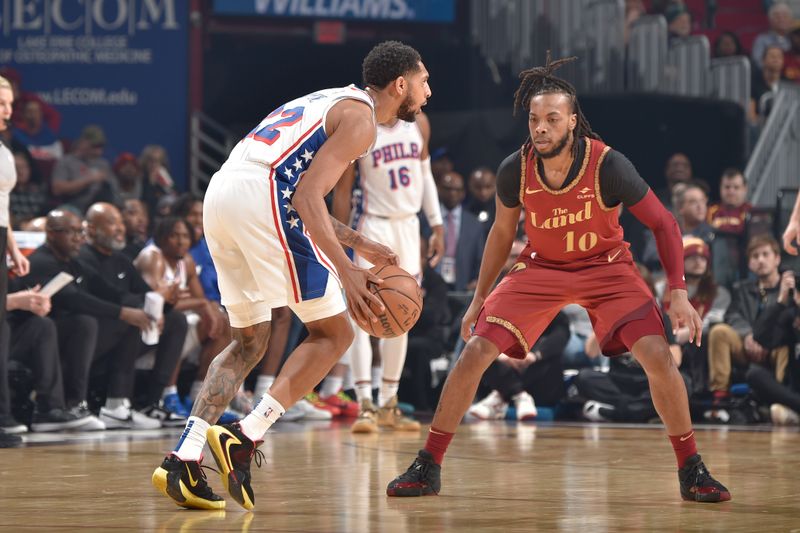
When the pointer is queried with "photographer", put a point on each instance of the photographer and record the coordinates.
(779, 325)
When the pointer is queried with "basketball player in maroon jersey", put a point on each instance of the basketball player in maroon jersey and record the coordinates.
(570, 185)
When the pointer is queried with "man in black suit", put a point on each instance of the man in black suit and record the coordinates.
(463, 236)
(105, 233)
(93, 324)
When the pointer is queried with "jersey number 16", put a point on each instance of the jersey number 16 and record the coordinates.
(401, 176)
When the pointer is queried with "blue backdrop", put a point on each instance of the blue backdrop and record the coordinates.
(410, 10)
(122, 64)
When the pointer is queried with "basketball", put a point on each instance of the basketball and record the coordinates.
(402, 298)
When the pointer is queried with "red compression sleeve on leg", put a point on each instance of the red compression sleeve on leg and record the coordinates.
(652, 213)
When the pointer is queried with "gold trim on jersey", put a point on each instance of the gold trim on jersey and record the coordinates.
(577, 178)
(597, 195)
(510, 327)
(524, 178)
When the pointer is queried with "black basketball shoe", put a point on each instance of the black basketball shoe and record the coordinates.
(233, 450)
(697, 485)
(423, 478)
(185, 483)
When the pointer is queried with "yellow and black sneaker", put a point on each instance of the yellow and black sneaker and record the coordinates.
(233, 451)
(185, 483)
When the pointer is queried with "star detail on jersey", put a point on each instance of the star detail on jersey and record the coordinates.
(288, 171)
(297, 164)
(306, 155)
(289, 208)
(287, 193)
(293, 222)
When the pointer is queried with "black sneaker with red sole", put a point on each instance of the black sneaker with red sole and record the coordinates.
(697, 484)
(423, 478)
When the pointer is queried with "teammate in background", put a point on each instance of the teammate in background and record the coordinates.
(396, 182)
(570, 185)
(265, 221)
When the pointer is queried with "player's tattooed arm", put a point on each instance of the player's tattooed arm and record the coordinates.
(374, 252)
(346, 235)
(228, 370)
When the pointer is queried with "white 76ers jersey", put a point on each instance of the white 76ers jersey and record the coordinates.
(391, 174)
(287, 139)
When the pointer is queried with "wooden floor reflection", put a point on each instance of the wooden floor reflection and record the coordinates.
(497, 477)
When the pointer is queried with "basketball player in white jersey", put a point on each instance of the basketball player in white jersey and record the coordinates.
(274, 244)
(396, 182)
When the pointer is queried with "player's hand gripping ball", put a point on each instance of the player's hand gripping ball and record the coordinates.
(402, 299)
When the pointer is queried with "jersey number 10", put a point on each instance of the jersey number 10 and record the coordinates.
(586, 241)
(401, 175)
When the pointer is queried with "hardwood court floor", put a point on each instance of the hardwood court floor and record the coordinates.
(497, 477)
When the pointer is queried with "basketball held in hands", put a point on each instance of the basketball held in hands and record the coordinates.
(402, 299)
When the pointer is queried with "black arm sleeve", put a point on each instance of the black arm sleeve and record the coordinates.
(508, 176)
(620, 182)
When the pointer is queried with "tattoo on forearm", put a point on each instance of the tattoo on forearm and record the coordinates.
(345, 235)
(228, 370)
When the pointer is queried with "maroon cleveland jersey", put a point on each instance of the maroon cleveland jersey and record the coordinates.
(571, 224)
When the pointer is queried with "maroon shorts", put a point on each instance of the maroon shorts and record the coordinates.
(620, 305)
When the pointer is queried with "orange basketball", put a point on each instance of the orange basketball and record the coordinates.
(402, 298)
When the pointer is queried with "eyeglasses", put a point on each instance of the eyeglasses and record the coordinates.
(71, 231)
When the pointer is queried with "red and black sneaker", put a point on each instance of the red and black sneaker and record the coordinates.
(423, 478)
(233, 451)
(697, 485)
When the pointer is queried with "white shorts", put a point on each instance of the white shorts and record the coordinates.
(399, 234)
(264, 258)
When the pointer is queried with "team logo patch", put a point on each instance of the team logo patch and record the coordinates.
(517, 267)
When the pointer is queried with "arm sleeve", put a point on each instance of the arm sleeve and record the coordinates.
(508, 180)
(430, 199)
(620, 182)
(652, 214)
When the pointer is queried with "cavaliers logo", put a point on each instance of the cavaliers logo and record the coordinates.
(517, 267)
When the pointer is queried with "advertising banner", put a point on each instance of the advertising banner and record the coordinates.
(389, 10)
(120, 64)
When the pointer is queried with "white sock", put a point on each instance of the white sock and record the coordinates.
(388, 390)
(195, 390)
(193, 438)
(263, 383)
(349, 382)
(266, 413)
(363, 392)
(330, 387)
(377, 374)
(169, 389)
(113, 403)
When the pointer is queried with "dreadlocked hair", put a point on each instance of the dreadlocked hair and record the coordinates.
(540, 80)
